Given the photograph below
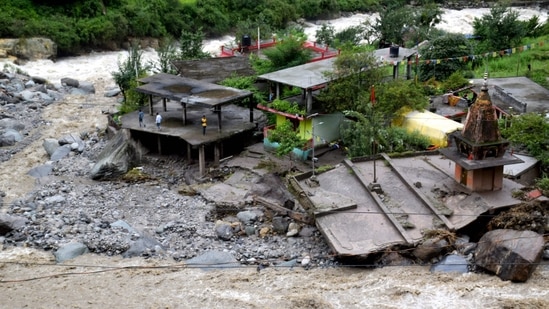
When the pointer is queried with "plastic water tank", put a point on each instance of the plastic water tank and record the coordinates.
(246, 41)
(393, 51)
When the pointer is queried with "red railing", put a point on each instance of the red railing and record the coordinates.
(323, 51)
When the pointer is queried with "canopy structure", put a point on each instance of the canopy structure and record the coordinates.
(308, 77)
(312, 76)
(202, 98)
(190, 91)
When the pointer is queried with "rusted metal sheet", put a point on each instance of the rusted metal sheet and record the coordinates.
(215, 69)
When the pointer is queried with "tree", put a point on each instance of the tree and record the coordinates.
(425, 19)
(500, 29)
(448, 48)
(129, 71)
(325, 35)
(369, 134)
(398, 23)
(352, 77)
(167, 52)
(399, 94)
(288, 53)
(190, 45)
(393, 20)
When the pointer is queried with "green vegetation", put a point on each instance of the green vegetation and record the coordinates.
(529, 132)
(286, 137)
(129, 71)
(287, 107)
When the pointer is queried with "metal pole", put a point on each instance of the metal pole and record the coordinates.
(313, 143)
(313, 158)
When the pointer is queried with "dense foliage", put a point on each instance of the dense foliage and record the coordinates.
(450, 46)
(368, 134)
(529, 132)
(500, 29)
(76, 25)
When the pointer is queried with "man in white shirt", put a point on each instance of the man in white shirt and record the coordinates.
(158, 120)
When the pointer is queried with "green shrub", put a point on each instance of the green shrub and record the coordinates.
(543, 185)
(455, 81)
(287, 107)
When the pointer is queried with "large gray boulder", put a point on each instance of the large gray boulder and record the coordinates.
(33, 49)
(511, 255)
(120, 154)
(70, 251)
(213, 259)
(9, 137)
(9, 223)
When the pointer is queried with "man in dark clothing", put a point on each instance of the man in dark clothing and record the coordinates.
(141, 116)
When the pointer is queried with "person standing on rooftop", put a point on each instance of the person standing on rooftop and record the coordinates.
(204, 124)
(158, 120)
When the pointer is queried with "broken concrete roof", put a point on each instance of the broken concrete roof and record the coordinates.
(416, 193)
(190, 91)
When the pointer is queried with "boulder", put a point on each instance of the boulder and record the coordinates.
(213, 259)
(430, 248)
(9, 223)
(120, 154)
(223, 230)
(34, 49)
(60, 152)
(510, 254)
(50, 145)
(280, 225)
(70, 251)
(87, 87)
(9, 137)
(142, 247)
(71, 82)
(10, 123)
(40, 171)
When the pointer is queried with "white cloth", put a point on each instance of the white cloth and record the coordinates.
(158, 118)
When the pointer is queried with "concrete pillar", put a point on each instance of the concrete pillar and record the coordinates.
(159, 143)
(395, 71)
(217, 154)
(251, 107)
(309, 100)
(202, 160)
(189, 152)
(151, 105)
(184, 114)
(164, 103)
(218, 109)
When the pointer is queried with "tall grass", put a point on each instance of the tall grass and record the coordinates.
(516, 64)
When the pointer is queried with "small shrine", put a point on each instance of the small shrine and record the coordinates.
(479, 151)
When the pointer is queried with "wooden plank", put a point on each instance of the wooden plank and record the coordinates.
(298, 216)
